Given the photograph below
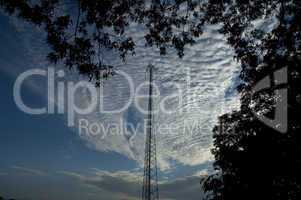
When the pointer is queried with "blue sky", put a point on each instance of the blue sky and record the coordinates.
(44, 159)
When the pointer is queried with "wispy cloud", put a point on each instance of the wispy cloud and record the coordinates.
(3, 174)
(29, 171)
(128, 185)
(72, 174)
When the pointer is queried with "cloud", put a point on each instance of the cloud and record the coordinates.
(212, 74)
(29, 171)
(3, 174)
(128, 185)
(72, 174)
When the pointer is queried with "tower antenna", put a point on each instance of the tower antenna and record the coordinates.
(150, 180)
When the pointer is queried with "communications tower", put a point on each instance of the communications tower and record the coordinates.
(150, 179)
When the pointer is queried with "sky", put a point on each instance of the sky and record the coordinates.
(44, 158)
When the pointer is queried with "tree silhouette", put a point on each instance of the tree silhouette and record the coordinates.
(79, 31)
(258, 161)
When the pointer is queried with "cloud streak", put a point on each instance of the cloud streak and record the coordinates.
(29, 171)
(128, 185)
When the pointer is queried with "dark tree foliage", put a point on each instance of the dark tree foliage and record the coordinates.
(255, 160)
(79, 31)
